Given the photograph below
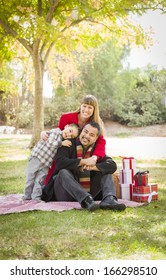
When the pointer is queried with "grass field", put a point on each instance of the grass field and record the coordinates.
(137, 233)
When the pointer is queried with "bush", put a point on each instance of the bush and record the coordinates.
(56, 106)
(24, 119)
(140, 108)
(50, 114)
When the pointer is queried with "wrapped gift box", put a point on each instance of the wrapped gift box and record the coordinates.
(129, 163)
(145, 189)
(116, 180)
(145, 197)
(145, 193)
(126, 191)
(141, 178)
(127, 176)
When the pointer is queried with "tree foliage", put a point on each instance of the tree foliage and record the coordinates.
(99, 69)
(133, 97)
(39, 25)
(141, 103)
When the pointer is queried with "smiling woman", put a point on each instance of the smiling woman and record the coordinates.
(87, 112)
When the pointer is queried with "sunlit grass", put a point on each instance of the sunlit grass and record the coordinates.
(122, 134)
(137, 233)
(14, 148)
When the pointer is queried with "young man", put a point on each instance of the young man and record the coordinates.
(41, 159)
(80, 177)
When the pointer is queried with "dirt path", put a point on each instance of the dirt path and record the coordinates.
(140, 142)
(116, 129)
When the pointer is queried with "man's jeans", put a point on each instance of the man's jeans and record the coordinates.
(66, 188)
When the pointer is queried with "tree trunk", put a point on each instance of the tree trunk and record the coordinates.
(38, 122)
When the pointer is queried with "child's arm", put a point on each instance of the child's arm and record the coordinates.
(66, 143)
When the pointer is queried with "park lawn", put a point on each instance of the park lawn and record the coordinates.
(137, 233)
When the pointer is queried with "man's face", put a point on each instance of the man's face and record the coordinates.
(88, 135)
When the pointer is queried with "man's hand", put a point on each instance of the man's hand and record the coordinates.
(90, 168)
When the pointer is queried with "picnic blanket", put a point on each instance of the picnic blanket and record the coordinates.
(13, 203)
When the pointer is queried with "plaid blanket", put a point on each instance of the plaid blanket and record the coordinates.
(13, 203)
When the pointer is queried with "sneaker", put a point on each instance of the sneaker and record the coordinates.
(26, 198)
(110, 203)
(89, 204)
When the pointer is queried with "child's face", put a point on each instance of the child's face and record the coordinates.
(69, 132)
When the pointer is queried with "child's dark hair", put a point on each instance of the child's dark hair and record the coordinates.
(76, 126)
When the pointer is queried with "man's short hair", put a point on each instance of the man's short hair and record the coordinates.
(95, 125)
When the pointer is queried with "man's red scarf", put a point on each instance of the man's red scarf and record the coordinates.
(84, 177)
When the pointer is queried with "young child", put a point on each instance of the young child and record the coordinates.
(41, 159)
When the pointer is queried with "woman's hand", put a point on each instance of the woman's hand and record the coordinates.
(91, 161)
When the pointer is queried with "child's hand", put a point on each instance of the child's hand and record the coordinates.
(44, 135)
(66, 143)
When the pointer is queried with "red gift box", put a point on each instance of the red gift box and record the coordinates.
(144, 197)
(145, 189)
(145, 193)
(141, 178)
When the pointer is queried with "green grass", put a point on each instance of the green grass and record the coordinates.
(123, 134)
(137, 233)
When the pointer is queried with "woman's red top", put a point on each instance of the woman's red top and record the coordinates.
(72, 117)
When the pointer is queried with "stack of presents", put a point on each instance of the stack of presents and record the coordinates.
(133, 184)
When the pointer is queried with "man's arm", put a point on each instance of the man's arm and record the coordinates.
(65, 158)
(106, 166)
(89, 162)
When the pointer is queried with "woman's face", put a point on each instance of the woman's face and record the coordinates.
(86, 111)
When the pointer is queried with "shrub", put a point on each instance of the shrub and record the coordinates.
(24, 119)
(56, 106)
(140, 108)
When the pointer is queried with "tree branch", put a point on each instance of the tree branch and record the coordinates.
(75, 22)
(14, 34)
(40, 8)
(101, 23)
(48, 52)
(54, 4)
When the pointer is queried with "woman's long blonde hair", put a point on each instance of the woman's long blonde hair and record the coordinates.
(92, 100)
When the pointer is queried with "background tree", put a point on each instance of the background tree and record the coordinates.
(142, 100)
(41, 24)
(99, 69)
(134, 97)
(16, 85)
